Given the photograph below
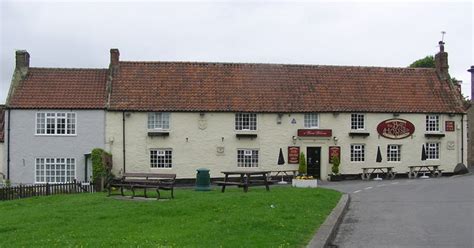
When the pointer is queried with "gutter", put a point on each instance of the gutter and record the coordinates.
(462, 139)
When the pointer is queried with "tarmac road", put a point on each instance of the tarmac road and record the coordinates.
(436, 212)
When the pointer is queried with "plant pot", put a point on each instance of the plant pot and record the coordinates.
(305, 183)
(336, 178)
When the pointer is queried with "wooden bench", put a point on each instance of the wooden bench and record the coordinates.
(145, 181)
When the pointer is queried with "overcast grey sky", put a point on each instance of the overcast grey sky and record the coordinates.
(343, 33)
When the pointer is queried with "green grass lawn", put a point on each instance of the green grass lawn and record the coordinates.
(282, 217)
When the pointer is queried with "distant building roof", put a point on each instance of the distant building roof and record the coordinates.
(234, 87)
(53, 88)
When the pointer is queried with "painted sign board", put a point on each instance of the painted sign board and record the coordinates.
(395, 128)
(449, 126)
(293, 155)
(314, 132)
(334, 151)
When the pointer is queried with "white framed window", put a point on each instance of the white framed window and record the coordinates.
(55, 170)
(161, 158)
(357, 152)
(357, 121)
(159, 121)
(394, 153)
(245, 121)
(311, 120)
(432, 123)
(247, 158)
(432, 150)
(56, 123)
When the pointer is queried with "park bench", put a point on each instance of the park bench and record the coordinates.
(145, 181)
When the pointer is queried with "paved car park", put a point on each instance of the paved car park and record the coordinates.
(437, 212)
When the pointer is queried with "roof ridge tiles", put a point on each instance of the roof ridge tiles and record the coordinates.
(272, 64)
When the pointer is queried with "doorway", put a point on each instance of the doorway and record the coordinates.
(313, 161)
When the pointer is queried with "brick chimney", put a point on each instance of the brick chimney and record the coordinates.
(22, 59)
(114, 57)
(472, 82)
(441, 62)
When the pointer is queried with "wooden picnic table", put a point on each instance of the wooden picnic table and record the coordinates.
(246, 179)
(433, 170)
(367, 172)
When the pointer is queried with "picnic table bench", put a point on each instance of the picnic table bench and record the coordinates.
(144, 181)
(367, 172)
(433, 170)
(245, 180)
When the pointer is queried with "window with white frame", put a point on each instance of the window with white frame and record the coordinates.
(357, 121)
(247, 158)
(246, 121)
(394, 153)
(432, 150)
(311, 120)
(56, 123)
(158, 121)
(357, 153)
(161, 158)
(432, 123)
(55, 170)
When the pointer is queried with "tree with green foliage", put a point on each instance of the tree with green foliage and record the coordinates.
(303, 168)
(426, 62)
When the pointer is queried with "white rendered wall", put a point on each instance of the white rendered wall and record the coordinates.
(194, 147)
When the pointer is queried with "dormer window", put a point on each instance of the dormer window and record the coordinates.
(246, 122)
(311, 120)
(158, 121)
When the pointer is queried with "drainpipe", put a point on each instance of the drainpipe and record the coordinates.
(8, 146)
(123, 138)
(462, 139)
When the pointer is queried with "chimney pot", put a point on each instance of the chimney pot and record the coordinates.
(22, 58)
(114, 57)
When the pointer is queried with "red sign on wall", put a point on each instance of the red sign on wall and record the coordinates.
(334, 151)
(314, 132)
(395, 128)
(293, 155)
(449, 126)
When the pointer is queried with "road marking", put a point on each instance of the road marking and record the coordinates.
(357, 191)
(381, 185)
(367, 188)
(395, 183)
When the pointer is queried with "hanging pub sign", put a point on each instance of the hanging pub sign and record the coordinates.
(334, 151)
(293, 155)
(314, 132)
(395, 128)
(449, 126)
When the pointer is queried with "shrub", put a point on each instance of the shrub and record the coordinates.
(335, 165)
(302, 169)
(101, 167)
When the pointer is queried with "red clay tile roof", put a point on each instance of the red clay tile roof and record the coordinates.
(187, 86)
(2, 123)
(61, 88)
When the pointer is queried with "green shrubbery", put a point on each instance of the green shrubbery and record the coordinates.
(101, 167)
(303, 168)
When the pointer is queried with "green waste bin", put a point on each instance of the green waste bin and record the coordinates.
(203, 180)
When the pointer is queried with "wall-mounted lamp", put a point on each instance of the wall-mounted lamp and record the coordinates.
(128, 114)
(335, 140)
(396, 114)
(202, 114)
(294, 138)
(222, 139)
(451, 114)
